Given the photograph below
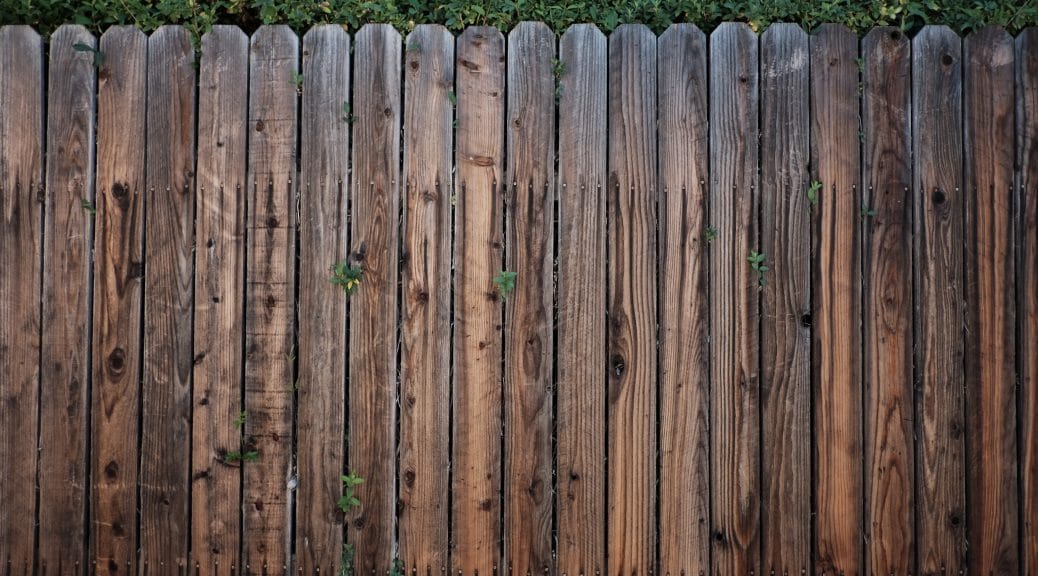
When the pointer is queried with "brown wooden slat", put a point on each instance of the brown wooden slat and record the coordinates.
(580, 348)
(67, 242)
(529, 244)
(270, 295)
(990, 335)
(478, 257)
(219, 294)
(684, 302)
(118, 286)
(631, 205)
(937, 145)
(375, 210)
(887, 303)
(734, 352)
(785, 241)
(168, 300)
(836, 294)
(426, 299)
(21, 260)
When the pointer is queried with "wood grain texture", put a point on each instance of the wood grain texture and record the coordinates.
(323, 237)
(270, 299)
(168, 300)
(632, 363)
(220, 191)
(1027, 296)
(836, 295)
(937, 142)
(118, 289)
(529, 246)
(734, 308)
(887, 309)
(67, 243)
(990, 331)
(425, 329)
(375, 232)
(581, 302)
(478, 257)
(785, 240)
(684, 155)
(21, 260)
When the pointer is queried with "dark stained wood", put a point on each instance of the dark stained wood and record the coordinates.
(478, 258)
(581, 293)
(269, 302)
(119, 269)
(321, 393)
(21, 260)
(529, 245)
(632, 363)
(375, 225)
(887, 303)
(937, 145)
(425, 313)
(220, 191)
(67, 243)
(836, 295)
(785, 228)
(990, 334)
(168, 300)
(734, 352)
(684, 302)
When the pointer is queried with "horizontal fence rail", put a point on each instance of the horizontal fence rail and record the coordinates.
(568, 305)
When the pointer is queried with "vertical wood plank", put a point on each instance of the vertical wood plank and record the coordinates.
(937, 142)
(67, 242)
(990, 330)
(478, 257)
(425, 329)
(375, 211)
(734, 346)
(580, 349)
(118, 287)
(785, 242)
(887, 308)
(168, 300)
(529, 244)
(269, 302)
(324, 179)
(632, 362)
(219, 295)
(1027, 294)
(836, 293)
(684, 154)
(21, 260)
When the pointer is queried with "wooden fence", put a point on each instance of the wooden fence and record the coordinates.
(709, 364)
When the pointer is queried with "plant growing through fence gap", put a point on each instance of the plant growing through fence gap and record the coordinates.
(346, 275)
(758, 262)
(347, 502)
(504, 282)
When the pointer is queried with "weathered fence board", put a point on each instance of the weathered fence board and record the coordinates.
(1026, 210)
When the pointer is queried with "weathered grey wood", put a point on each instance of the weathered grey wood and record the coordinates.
(529, 247)
(425, 329)
(269, 299)
(324, 188)
(734, 346)
(887, 303)
(990, 334)
(220, 191)
(937, 145)
(21, 261)
(581, 305)
(67, 242)
(478, 258)
(684, 301)
(836, 294)
(118, 286)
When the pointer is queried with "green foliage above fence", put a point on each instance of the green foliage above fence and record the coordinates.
(960, 15)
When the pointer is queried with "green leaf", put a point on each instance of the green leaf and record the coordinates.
(505, 282)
